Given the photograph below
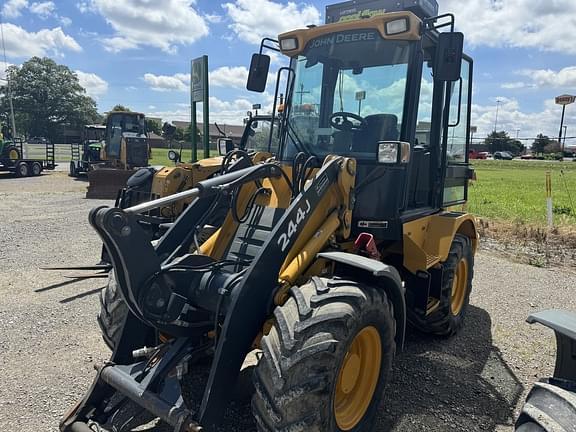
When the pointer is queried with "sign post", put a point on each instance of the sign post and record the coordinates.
(200, 93)
(563, 100)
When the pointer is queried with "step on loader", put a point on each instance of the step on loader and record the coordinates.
(325, 253)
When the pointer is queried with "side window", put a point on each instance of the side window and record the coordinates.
(456, 183)
(425, 106)
(458, 128)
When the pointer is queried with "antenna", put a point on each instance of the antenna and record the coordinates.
(7, 79)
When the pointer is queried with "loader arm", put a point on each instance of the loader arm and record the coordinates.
(187, 303)
(327, 198)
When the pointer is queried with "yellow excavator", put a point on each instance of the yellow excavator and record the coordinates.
(326, 252)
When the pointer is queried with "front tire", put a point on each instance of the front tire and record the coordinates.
(113, 312)
(445, 316)
(326, 360)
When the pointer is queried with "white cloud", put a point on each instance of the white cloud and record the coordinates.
(177, 82)
(547, 78)
(139, 23)
(227, 112)
(43, 9)
(563, 80)
(253, 20)
(514, 85)
(213, 19)
(13, 8)
(65, 21)
(86, 6)
(21, 43)
(511, 118)
(94, 85)
(229, 77)
(516, 23)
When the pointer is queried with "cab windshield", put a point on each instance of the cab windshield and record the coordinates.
(349, 94)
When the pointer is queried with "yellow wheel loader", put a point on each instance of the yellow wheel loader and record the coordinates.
(125, 149)
(326, 252)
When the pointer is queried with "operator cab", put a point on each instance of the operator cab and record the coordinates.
(392, 92)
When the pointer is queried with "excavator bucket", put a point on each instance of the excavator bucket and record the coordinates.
(106, 182)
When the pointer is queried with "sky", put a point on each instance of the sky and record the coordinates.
(137, 53)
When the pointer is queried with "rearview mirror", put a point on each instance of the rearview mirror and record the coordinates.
(258, 76)
(449, 53)
(225, 146)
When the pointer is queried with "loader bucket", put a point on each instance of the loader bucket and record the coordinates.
(106, 182)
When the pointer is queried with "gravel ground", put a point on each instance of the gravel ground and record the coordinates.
(49, 339)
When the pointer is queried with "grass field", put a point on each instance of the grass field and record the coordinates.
(515, 191)
(160, 156)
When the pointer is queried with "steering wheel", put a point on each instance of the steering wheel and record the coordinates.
(341, 121)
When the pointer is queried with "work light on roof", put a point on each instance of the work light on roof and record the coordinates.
(397, 26)
(289, 44)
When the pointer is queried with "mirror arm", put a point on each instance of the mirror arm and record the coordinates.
(273, 48)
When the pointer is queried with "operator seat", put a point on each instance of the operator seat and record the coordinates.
(380, 127)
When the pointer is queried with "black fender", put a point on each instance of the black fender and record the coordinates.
(564, 325)
(380, 274)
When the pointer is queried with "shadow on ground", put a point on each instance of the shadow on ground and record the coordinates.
(458, 384)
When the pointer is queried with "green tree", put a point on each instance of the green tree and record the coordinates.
(47, 98)
(179, 135)
(540, 143)
(188, 135)
(500, 141)
(153, 126)
(120, 108)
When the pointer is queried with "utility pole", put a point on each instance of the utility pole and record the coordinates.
(498, 101)
(12, 119)
(302, 93)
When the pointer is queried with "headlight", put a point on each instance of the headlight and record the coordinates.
(393, 152)
(289, 44)
(388, 152)
(397, 26)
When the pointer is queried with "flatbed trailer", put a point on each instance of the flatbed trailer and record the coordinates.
(25, 167)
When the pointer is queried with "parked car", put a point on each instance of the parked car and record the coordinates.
(473, 154)
(503, 155)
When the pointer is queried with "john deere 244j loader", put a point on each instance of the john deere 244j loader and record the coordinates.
(327, 251)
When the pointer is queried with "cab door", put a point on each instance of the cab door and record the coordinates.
(456, 139)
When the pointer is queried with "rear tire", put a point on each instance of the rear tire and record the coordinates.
(36, 168)
(22, 169)
(446, 316)
(113, 312)
(312, 374)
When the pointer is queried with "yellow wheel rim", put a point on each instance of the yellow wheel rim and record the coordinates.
(459, 287)
(13, 155)
(358, 378)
